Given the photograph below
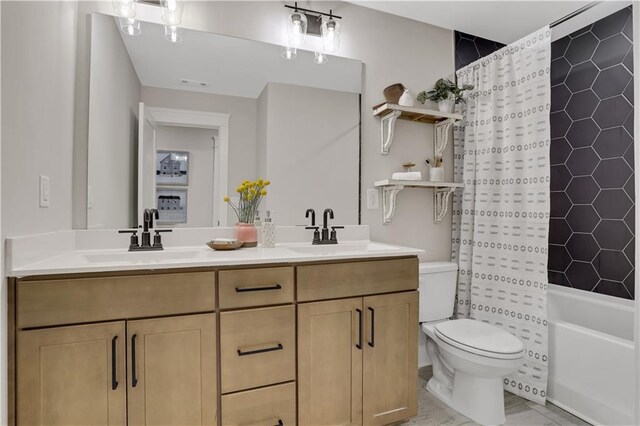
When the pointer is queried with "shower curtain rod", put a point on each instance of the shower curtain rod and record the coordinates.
(574, 13)
(566, 18)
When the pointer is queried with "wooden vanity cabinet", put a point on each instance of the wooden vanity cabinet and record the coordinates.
(313, 344)
(72, 375)
(357, 357)
(157, 371)
(171, 365)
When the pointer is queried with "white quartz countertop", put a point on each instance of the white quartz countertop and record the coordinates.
(94, 261)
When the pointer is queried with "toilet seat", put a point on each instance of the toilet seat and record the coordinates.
(479, 338)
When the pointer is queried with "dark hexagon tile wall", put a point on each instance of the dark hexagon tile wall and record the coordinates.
(469, 48)
(591, 240)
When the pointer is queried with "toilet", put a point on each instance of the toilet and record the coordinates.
(470, 358)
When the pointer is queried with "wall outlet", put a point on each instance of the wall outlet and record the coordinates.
(373, 202)
(45, 191)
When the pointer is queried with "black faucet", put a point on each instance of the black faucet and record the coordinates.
(325, 237)
(316, 233)
(145, 245)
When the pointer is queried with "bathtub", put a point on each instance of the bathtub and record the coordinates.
(591, 355)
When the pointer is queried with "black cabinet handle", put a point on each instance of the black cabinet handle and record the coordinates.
(359, 344)
(114, 367)
(373, 322)
(279, 347)
(279, 423)
(134, 376)
(264, 288)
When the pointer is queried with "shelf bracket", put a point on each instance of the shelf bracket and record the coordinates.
(387, 126)
(441, 136)
(389, 194)
(441, 198)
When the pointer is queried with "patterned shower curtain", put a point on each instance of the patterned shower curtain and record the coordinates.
(501, 217)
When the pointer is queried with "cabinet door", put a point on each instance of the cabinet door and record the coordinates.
(330, 362)
(72, 375)
(172, 371)
(390, 366)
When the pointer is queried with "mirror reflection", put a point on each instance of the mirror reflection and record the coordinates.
(178, 126)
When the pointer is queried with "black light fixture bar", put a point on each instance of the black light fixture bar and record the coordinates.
(296, 8)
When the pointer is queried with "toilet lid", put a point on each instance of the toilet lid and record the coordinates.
(480, 338)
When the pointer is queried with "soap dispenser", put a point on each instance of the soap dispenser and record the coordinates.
(268, 232)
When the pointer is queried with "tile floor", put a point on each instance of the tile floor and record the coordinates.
(519, 411)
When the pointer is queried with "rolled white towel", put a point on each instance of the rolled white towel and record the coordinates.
(225, 241)
(407, 176)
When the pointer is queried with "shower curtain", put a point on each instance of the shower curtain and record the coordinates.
(501, 217)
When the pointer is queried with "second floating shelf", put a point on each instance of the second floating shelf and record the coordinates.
(441, 193)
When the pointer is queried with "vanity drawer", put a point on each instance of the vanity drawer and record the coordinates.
(257, 347)
(255, 287)
(264, 406)
(81, 300)
(339, 280)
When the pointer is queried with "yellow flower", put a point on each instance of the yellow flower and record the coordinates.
(267, 182)
(227, 199)
(249, 197)
(263, 192)
(260, 181)
(239, 189)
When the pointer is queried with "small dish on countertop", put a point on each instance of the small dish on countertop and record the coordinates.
(225, 244)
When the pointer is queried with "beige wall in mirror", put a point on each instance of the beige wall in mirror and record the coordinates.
(292, 122)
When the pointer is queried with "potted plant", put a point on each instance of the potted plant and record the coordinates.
(251, 194)
(446, 93)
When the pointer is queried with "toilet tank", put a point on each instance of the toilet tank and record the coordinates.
(437, 290)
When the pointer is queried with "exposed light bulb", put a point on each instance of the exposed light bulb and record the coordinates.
(296, 28)
(124, 8)
(320, 58)
(289, 53)
(172, 11)
(130, 26)
(171, 34)
(330, 30)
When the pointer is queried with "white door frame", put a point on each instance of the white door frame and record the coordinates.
(204, 120)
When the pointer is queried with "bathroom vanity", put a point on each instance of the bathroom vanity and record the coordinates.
(322, 338)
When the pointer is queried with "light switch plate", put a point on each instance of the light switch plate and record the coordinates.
(373, 202)
(45, 191)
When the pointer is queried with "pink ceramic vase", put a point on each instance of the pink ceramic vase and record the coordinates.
(247, 233)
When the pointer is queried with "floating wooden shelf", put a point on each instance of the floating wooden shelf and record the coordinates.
(421, 115)
(441, 194)
(389, 113)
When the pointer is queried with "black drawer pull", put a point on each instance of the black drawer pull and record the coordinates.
(373, 323)
(114, 368)
(279, 423)
(359, 344)
(279, 347)
(265, 288)
(134, 376)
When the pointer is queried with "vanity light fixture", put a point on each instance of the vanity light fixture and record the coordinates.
(171, 34)
(172, 11)
(296, 27)
(330, 34)
(130, 26)
(320, 58)
(289, 53)
(125, 8)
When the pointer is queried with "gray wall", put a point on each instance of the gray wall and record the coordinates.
(38, 78)
(311, 153)
(115, 93)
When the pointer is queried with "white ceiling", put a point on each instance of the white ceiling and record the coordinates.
(503, 21)
(232, 66)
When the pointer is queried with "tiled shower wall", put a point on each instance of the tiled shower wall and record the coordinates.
(591, 237)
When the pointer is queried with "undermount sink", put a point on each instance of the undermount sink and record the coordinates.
(140, 256)
(347, 248)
